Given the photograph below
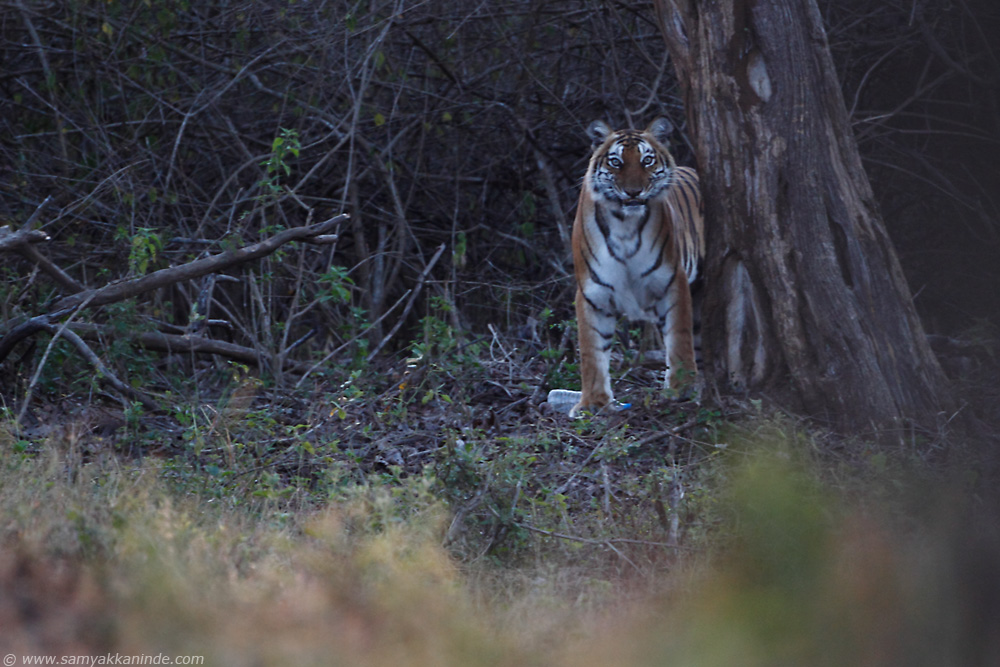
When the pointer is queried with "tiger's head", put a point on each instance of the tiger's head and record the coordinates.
(629, 168)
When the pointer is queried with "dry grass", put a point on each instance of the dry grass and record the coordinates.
(116, 551)
(107, 557)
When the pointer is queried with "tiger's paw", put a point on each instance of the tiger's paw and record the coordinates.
(567, 402)
(579, 411)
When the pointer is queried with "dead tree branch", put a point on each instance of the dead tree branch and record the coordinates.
(174, 343)
(15, 240)
(103, 372)
(22, 242)
(318, 233)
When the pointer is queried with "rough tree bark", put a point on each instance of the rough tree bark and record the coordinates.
(806, 295)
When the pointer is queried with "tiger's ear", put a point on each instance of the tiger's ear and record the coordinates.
(598, 132)
(661, 128)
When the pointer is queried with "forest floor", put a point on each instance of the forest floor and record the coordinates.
(437, 512)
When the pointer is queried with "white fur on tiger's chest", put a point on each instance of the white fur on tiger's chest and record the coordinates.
(630, 264)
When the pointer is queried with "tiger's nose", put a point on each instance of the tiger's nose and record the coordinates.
(633, 192)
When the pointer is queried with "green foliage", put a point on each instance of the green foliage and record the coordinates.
(337, 285)
(145, 246)
(62, 369)
(285, 146)
(440, 343)
(460, 249)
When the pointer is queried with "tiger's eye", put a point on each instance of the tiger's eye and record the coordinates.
(648, 161)
(615, 162)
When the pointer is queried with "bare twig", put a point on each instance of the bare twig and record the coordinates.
(608, 543)
(600, 543)
(22, 240)
(46, 67)
(409, 304)
(350, 340)
(63, 279)
(37, 213)
(565, 485)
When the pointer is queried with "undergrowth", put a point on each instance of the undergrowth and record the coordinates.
(435, 510)
(375, 527)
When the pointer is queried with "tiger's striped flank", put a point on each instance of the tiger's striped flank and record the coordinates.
(638, 244)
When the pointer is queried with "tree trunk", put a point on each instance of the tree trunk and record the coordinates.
(806, 297)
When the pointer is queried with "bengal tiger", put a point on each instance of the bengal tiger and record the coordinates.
(638, 243)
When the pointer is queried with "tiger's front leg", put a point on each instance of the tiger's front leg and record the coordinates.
(596, 331)
(678, 342)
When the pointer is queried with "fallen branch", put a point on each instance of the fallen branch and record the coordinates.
(606, 543)
(22, 331)
(14, 240)
(318, 233)
(170, 343)
(103, 372)
(22, 242)
(38, 371)
(598, 543)
(63, 279)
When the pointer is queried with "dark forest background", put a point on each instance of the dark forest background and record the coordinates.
(167, 130)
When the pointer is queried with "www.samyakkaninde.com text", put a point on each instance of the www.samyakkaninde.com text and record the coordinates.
(105, 659)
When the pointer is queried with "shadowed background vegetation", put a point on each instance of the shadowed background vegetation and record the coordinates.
(400, 484)
(431, 123)
(167, 129)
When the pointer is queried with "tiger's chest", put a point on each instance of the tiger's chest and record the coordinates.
(630, 274)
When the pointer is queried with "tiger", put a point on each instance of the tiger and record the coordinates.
(638, 245)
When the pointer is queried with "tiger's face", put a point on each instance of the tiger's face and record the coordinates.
(629, 168)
